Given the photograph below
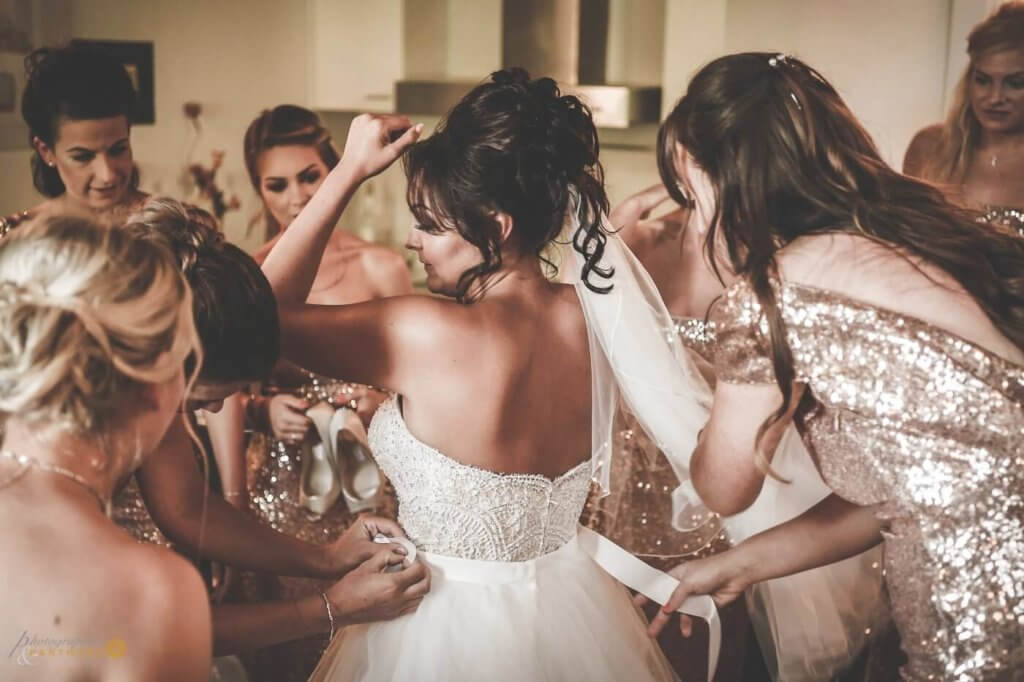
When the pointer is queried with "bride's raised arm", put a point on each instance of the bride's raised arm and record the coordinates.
(292, 264)
(361, 342)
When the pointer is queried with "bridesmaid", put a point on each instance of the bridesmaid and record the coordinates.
(889, 327)
(288, 153)
(77, 105)
(978, 152)
(94, 331)
(810, 627)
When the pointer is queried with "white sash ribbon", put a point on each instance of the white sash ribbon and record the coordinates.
(654, 585)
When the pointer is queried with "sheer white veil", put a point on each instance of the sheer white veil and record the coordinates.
(636, 354)
(810, 625)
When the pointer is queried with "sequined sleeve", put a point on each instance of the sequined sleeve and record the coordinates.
(742, 352)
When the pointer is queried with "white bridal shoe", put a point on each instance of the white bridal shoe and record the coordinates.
(340, 464)
(361, 481)
(319, 484)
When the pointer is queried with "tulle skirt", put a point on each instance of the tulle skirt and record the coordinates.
(558, 618)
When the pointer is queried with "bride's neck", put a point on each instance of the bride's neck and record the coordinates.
(517, 274)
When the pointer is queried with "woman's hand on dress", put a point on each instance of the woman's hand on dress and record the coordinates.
(721, 576)
(356, 544)
(373, 593)
(375, 141)
(287, 416)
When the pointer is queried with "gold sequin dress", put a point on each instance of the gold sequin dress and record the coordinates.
(930, 428)
(129, 511)
(1006, 216)
(273, 476)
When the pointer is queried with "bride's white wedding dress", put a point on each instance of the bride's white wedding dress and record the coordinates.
(513, 594)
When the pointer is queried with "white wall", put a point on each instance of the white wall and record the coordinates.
(887, 59)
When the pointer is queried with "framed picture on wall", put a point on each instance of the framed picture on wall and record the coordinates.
(15, 42)
(16, 26)
(137, 58)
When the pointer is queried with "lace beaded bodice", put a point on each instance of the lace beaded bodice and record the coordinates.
(453, 509)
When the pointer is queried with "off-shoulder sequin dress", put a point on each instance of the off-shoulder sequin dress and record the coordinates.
(928, 427)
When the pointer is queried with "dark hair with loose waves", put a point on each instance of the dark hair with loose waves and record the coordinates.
(787, 158)
(77, 83)
(234, 306)
(517, 146)
(284, 125)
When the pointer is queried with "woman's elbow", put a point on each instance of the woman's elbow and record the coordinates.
(722, 488)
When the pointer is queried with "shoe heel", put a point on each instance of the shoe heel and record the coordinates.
(320, 485)
(361, 480)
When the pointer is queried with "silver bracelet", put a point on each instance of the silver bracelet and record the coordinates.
(330, 614)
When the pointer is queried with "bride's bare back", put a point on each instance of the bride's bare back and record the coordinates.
(512, 392)
(499, 377)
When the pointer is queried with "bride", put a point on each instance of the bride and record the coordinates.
(487, 439)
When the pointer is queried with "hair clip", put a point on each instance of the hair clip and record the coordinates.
(777, 59)
(792, 96)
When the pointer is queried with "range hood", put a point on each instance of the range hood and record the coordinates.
(564, 39)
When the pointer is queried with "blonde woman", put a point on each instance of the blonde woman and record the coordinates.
(978, 153)
(95, 329)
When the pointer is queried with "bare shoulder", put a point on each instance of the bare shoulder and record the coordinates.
(416, 321)
(167, 623)
(260, 254)
(832, 260)
(386, 269)
(378, 257)
(922, 147)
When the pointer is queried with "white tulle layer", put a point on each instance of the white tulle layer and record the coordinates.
(559, 618)
(810, 625)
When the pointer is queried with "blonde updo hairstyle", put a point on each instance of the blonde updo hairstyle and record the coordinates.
(86, 315)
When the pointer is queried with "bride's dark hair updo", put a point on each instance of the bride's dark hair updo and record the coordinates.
(516, 146)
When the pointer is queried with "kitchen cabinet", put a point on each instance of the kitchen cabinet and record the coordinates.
(354, 54)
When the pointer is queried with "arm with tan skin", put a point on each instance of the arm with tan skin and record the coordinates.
(724, 467)
(292, 264)
(227, 436)
(375, 342)
(176, 496)
(226, 429)
(365, 595)
(830, 531)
